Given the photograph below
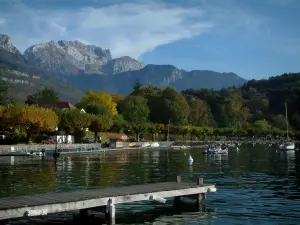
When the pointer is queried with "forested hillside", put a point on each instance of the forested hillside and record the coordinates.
(256, 100)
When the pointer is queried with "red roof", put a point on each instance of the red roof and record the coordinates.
(118, 136)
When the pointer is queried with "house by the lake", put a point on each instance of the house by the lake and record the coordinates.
(117, 140)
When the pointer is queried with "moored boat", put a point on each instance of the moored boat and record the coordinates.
(216, 150)
(154, 144)
(288, 145)
(179, 147)
(145, 145)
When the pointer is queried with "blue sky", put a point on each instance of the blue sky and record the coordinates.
(253, 38)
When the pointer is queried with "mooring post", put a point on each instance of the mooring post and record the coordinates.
(110, 212)
(176, 202)
(201, 196)
(200, 181)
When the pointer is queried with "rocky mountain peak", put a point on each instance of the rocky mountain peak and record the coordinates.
(92, 51)
(7, 45)
(67, 57)
(124, 64)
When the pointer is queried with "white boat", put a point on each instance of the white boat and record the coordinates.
(216, 150)
(145, 145)
(154, 144)
(288, 145)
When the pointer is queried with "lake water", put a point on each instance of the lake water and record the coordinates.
(255, 185)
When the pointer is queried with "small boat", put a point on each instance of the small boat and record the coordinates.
(288, 145)
(216, 150)
(179, 147)
(132, 144)
(145, 145)
(154, 144)
(163, 145)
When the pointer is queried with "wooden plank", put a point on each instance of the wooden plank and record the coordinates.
(51, 198)
(12, 207)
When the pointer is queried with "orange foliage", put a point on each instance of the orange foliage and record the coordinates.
(30, 116)
(117, 98)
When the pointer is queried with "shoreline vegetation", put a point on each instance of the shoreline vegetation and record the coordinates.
(253, 111)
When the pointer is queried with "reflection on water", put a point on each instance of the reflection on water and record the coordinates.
(256, 185)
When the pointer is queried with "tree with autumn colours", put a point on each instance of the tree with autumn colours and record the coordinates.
(101, 98)
(33, 118)
(117, 98)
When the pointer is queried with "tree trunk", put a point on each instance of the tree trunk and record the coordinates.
(66, 141)
(153, 136)
(28, 137)
(96, 137)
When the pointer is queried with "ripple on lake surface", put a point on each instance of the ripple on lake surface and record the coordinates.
(256, 185)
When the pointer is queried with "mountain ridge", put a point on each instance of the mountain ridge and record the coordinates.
(92, 67)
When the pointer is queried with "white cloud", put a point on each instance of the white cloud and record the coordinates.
(127, 29)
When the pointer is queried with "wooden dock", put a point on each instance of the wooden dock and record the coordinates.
(43, 204)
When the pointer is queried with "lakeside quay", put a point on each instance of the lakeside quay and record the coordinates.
(49, 149)
(67, 148)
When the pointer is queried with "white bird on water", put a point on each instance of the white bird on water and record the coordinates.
(191, 160)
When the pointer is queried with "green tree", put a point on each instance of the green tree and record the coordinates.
(200, 114)
(148, 92)
(94, 108)
(261, 127)
(279, 122)
(184, 131)
(171, 105)
(196, 131)
(73, 121)
(45, 96)
(101, 118)
(100, 123)
(101, 98)
(135, 110)
(155, 129)
(120, 125)
(3, 92)
(137, 86)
